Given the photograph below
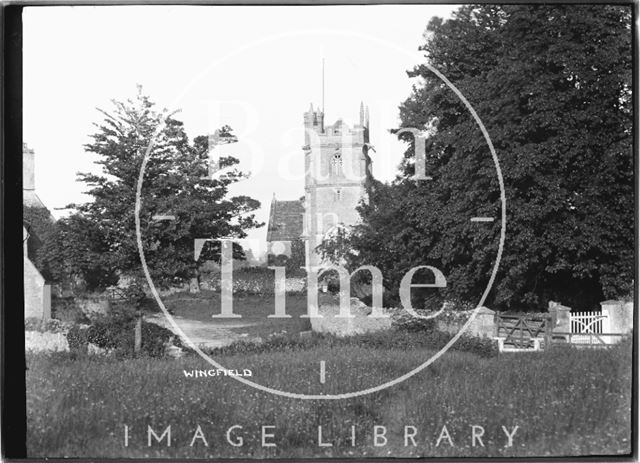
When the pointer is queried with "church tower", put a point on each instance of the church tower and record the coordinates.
(336, 166)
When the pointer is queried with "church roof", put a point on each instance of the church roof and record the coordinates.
(285, 220)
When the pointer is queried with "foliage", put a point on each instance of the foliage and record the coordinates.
(254, 280)
(336, 246)
(406, 322)
(78, 338)
(99, 241)
(75, 255)
(39, 224)
(116, 332)
(66, 310)
(292, 264)
(552, 85)
(135, 295)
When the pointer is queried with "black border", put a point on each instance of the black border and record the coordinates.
(13, 363)
(13, 393)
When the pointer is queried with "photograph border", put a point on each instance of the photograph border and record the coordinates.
(13, 392)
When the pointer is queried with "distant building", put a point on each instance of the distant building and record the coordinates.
(37, 294)
(336, 165)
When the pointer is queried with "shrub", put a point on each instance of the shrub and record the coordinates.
(246, 280)
(406, 322)
(293, 263)
(78, 338)
(254, 280)
(484, 347)
(117, 332)
(66, 310)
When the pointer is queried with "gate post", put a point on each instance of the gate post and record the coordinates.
(548, 325)
(560, 320)
(619, 319)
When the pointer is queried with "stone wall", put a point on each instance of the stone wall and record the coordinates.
(482, 325)
(37, 294)
(35, 341)
(360, 323)
(620, 316)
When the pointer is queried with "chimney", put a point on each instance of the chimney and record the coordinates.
(28, 168)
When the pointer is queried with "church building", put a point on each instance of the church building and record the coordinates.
(336, 167)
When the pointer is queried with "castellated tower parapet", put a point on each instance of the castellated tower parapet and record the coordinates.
(313, 124)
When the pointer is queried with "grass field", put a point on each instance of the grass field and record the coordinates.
(254, 310)
(564, 402)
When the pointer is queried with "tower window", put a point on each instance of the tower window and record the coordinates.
(336, 164)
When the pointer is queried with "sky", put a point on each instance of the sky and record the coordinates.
(255, 68)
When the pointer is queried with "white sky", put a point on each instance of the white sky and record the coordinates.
(254, 68)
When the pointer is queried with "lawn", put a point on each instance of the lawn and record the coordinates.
(564, 402)
(253, 309)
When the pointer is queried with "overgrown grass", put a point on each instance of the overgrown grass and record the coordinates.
(394, 338)
(565, 402)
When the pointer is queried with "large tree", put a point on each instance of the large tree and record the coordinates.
(552, 85)
(176, 183)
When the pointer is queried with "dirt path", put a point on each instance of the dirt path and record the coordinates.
(203, 333)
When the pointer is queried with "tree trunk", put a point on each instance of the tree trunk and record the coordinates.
(194, 282)
(137, 346)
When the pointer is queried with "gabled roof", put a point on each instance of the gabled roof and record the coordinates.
(285, 220)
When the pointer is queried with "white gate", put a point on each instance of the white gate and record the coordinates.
(587, 322)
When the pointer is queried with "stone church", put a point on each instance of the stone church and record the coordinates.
(336, 166)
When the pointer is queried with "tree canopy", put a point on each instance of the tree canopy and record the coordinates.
(552, 85)
(176, 183)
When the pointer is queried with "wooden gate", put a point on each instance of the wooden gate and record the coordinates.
(517, 333)
(586, 327)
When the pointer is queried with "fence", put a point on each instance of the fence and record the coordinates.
(115, 294)
(517, 333)
(590, 339)
(584, 325)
